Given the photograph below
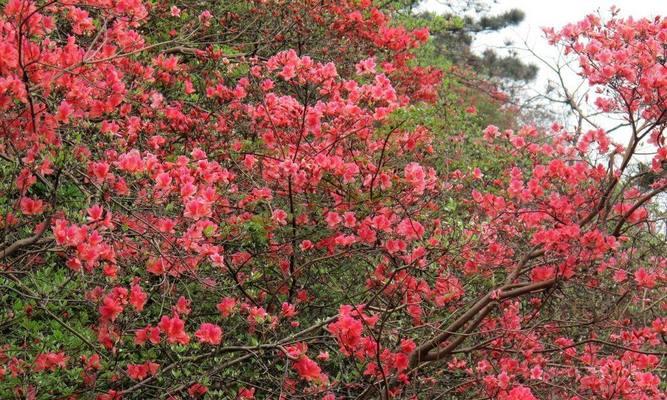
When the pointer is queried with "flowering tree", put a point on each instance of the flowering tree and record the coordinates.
(224, 200)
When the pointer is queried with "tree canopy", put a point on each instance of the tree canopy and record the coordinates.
(283, 200)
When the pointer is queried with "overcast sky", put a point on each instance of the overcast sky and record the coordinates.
(552, 13)
(540, 13)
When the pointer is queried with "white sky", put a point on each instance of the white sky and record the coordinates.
(551, 13)
(555, 13)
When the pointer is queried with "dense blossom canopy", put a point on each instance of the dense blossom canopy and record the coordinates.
(218, 200)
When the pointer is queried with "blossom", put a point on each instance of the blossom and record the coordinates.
(50, 361)
(149, 333)
(415, 175)
(31, 206)
(366, 66)
(645, 278)
(138, 297)
(110, 308)
(205, 18)
(308, 369)
(333, 219)
(139, 372)
(279, 216)
(174, 329)
(209, 333)
(347, 331)
(226, 306)
(410, 229)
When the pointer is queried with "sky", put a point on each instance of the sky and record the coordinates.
(555, 13)
(552, 13)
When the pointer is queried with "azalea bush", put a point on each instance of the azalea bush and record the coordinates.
(239, 200)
